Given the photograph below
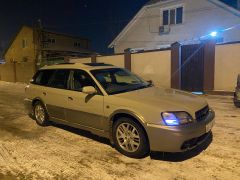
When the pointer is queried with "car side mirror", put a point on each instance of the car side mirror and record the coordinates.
(89, 90)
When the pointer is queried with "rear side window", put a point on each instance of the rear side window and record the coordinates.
(42, 77)
(59, 79)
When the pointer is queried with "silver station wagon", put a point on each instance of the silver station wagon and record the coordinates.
(114, 103)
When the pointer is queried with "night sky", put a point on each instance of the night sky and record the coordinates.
(98, 20)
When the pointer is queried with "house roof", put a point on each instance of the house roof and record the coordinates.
(153, 2)
(157, 2)
(64, 34)
(12, 40)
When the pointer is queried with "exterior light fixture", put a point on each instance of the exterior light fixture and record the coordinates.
(213, 34)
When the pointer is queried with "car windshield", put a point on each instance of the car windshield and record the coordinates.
(117, 80)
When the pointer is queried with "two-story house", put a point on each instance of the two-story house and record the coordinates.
(162, 22)
(41, 46)
(32, 48)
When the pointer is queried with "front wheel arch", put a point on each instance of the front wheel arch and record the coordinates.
(126, 115)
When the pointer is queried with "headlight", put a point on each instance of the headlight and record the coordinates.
(176, 118)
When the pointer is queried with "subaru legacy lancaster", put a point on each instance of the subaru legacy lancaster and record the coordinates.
(114, 103)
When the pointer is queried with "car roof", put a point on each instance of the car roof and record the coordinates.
(84, 66)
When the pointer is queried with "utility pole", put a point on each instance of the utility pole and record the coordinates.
(38, 38)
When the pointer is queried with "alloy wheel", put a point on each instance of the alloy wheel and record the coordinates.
(128, 137)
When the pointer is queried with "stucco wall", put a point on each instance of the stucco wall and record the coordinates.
(6, 72)
(116, 60)
(24, 72)
(227, 66)
(155, 66)
(16, 52)
(200, 18)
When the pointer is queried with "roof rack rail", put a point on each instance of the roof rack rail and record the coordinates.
(97, 64)
(60, 63)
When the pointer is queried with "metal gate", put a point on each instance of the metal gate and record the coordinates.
(192, 67)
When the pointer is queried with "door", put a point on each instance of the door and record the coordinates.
(192, 67)
(56, 92)
(83, 109)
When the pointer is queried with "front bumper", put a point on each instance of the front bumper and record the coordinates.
(179, 138)
(28, 105)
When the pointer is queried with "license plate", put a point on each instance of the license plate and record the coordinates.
(209, 126)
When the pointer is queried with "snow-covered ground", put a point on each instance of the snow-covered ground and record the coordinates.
(28, 151)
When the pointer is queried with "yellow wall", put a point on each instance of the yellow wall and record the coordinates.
(24, 72)
(6, 72)
(116, 60)
(155, 66)
(16, 52)
(227, 66)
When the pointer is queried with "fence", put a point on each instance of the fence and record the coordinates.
(227, 66)
(17, 72)
(156, 65)
(152, 65)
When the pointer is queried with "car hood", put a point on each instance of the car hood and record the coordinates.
(165, 99)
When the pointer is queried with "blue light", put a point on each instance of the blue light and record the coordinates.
(214, 33)
(198, 93)
(170, 119)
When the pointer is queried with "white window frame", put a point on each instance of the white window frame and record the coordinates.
(169, 8)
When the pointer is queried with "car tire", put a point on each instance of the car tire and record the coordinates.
(129, 138)
(40, 114)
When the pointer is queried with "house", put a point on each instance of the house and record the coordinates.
(43, 46)
(162, 22)
(34, 47)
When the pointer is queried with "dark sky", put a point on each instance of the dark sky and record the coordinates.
(98, 20)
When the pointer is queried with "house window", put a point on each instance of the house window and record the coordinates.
(51, 40)
(24, 43)
(173, 16)
(165, 17)
(77, 44)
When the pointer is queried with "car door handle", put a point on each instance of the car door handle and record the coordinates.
(70, 98)
(44, 93)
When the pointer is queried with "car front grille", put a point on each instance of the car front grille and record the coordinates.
(202, 113)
